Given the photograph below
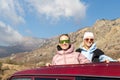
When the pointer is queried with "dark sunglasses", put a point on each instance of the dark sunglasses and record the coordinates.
(64, 41)
(89, 39)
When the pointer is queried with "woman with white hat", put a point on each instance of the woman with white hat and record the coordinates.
(88, 49)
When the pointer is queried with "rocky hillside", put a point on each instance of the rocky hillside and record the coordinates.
(107, 37)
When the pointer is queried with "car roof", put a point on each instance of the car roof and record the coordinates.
(111, 69)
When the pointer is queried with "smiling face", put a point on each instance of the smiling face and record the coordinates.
(88, 42)
(64, 42)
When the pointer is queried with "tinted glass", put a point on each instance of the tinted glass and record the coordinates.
(50, 79)
(45, 79)
(96, 78)
(21, 79)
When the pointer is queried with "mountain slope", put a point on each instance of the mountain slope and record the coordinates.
(28, 44)
(107, 37)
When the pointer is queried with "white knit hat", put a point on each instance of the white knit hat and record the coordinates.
(88, 34)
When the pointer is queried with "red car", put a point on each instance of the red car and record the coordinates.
(91, 71)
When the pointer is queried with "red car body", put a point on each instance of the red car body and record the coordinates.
(91, 71)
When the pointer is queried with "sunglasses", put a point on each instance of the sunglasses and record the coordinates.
(64, 41)
(89, 39)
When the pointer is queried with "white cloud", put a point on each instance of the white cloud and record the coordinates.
(11, 11)
(28, 31)
(9, 36)
(58, 8)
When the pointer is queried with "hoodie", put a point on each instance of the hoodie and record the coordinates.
(69, 57)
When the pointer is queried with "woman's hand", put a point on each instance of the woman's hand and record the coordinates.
(118, 59)
(107, 61)
(48, 64)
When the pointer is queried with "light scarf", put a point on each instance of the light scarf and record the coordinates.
(88, 53)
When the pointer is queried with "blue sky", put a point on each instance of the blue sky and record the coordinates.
(49, 18)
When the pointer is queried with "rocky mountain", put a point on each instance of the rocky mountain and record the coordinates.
(28, 44)
(107, 37)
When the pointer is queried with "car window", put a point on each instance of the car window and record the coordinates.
(45, 79)
(96, 78)
(21, 79)
(50, 79)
